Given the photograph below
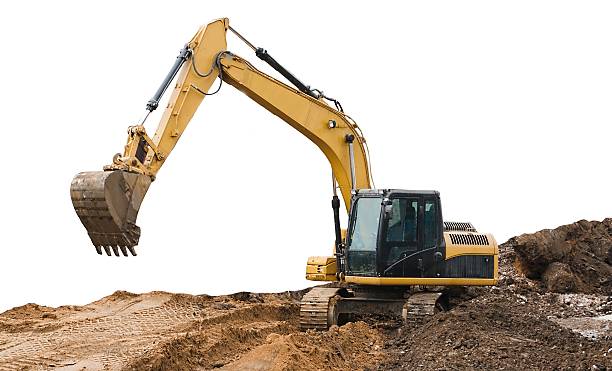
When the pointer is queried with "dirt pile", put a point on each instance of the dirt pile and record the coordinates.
(496, 331)
(214, 342)
(571, 258)
(354, 346)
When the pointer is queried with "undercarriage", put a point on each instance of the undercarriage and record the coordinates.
(323, 307)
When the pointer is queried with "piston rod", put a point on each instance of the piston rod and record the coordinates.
(349, 139)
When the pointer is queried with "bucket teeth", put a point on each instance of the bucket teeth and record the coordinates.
(107, 250)
(110, 250)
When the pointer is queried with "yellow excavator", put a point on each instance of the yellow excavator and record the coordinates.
(396, 257)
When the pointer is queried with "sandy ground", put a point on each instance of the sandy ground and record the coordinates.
(560, 320)
(165, 331)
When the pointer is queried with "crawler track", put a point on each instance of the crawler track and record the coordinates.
(315, 309)
(421, 306)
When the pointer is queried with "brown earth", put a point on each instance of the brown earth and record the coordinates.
(163, 331)
(552, 309)
(571, 258)
(498, 331)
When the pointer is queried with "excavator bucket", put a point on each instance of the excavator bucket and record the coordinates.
(107, 202)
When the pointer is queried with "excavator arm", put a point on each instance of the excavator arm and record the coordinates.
(108, 202)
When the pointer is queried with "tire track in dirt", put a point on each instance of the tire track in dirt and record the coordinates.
(117, 330)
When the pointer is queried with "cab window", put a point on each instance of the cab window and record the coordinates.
(402, 226)
(365, 229)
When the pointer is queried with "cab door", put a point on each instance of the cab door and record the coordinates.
(411, 238)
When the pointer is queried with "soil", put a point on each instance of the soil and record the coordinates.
(571, 258)
(498, 331)
(552, 309)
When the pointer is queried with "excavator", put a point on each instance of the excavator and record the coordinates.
(396, 257)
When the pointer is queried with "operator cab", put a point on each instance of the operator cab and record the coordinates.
(395, 233)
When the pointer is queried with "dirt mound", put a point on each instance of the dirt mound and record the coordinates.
(34, 318)
(354, 346)
(211, 343)
(28, 311)
(496, 331)
(571, 258)
(264, 337)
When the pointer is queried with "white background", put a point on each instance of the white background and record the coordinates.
(504, 107)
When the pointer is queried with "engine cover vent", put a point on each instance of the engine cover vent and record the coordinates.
(469, 239)
(459, 226)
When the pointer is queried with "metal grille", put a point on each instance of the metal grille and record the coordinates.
(469, 239)
(471, 266)
(459, 226)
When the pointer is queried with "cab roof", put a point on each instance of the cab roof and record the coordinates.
(391, 192)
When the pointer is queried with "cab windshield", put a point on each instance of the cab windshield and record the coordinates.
(365, 229)
(361, 252)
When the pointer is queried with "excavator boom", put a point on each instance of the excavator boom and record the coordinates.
(107, 202)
